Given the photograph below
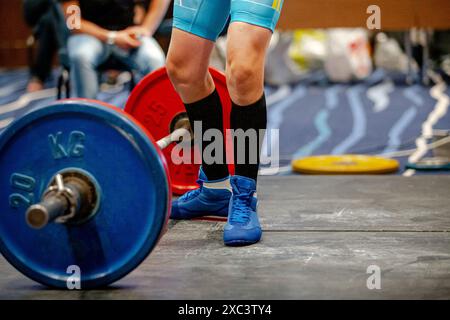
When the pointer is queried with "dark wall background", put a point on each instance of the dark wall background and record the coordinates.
(396, 14)
(13, 34)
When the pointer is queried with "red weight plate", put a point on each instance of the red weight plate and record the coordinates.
(155, 103)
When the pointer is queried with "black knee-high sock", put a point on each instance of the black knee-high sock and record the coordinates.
(254, 117)
(209, 112)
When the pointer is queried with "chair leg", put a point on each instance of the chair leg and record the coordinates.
(67, 82)
(132, 82)
(64, 84)
(60, 86)
(68, 87)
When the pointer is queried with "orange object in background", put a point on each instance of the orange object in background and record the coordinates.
(395, 14)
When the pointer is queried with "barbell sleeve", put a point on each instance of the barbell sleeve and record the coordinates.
(41, 214)
(59, 200)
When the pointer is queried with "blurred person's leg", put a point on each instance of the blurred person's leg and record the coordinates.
(46, 48)
(86, 53)
(38, 17)
(148, 57)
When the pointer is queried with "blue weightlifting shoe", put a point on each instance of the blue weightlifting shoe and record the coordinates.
(243, 226)
(211, 199)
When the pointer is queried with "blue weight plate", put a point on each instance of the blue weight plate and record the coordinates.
(127, 166)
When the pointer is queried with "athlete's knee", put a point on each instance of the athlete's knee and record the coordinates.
(241, 74)
(174, 67)
(182, 73)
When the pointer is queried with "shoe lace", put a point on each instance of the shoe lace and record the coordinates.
(192, 194)
(241, 210)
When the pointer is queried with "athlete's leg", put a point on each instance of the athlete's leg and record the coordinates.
(252, 24)
(187, 65)
(246, 51)
(247, 45)
(197, 23)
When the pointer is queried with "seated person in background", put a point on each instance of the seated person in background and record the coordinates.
(107, 28)
(39, 16)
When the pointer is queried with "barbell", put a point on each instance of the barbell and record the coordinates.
(73, 197)
(85, 188)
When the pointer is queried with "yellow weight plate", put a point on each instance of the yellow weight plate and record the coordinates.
(345, 164)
